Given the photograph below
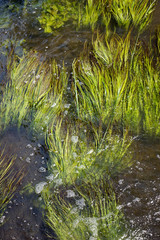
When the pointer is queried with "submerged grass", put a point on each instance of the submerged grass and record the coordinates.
(100, 82)
(75, 156)
(9, 181)
(55, 15)
(94, 213)
(141, 108)
(135, 13)
(127, 14)
(34, 93)
(118, 85)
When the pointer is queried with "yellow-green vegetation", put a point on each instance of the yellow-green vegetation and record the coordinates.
(135, 13)
(101, 80)
(115, 90)
(93, 215)
(118, 85)
(55, 14)
(34, 93)
(141, 108)
(95, 11)
(9, 181)
(127, 14)
(158, 39)
(80, 13)
(75, 156)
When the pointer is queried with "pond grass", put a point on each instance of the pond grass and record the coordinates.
(136, 13)
(94, 214)
(9, 181)
(141, 108)
(117, 85)
(55, 15)
(127, 14)
(34, 92)
(75, 155)
(100, 82)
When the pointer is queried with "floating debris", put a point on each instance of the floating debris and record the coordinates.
(50, 177)
(39, 187)
(74, 139)
(28, 160)
(80, 203)
(70, 194)
(42, 170)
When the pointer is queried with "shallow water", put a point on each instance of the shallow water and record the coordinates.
(22, 214)
(138, 189)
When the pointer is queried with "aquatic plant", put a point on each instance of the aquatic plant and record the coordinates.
(84, 13)
(55, 15)
(9, 181)
(132, 13)
(94, 214)
(100, 82)
(74, 156)
(115, 86)
(33, 93)
(158, 38)
(94, 11)
(141, 108)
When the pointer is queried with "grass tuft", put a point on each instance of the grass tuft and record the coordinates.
(34, 93)
(9, 181)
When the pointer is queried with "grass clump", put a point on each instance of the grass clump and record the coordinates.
(82, 13)
(132, 13)
(55, 15)
(100, 82)
(141, 108)
(9, 181)
(95, 12)
(74, 155)
(34, 93)
(93, 214)
(117, 85)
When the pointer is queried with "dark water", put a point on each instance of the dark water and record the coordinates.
(24, 219)
(138, 189)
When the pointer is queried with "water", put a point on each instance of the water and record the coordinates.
(24, 218)
(138, 189)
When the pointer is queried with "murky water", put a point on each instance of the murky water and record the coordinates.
(138, 189)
